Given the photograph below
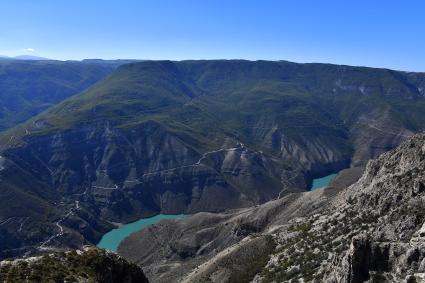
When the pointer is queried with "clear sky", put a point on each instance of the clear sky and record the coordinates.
(381, 33)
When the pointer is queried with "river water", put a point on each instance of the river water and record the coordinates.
(111, 240)
(323, 182)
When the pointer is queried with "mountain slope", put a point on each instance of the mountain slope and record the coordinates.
(372, 231)
(28, 88)
(190, 136)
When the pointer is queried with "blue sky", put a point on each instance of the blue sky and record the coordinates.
(356, 32)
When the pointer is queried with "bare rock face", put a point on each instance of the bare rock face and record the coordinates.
(365, 261)
(95, 175)
(392, 249)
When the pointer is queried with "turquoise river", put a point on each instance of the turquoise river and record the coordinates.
(322, 182)
(111, 240)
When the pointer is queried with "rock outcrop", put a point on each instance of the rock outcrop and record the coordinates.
(85, 265)
(393, 190)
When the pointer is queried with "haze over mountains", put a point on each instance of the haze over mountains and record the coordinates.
(30, 87)
(25, 57)
(86, 145)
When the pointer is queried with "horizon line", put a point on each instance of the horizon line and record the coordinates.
(43, 58)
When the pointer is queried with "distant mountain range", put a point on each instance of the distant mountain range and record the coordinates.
(25, 57)
(182, 137)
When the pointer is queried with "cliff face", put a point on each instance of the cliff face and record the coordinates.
(372, 231)
(86, 265)
(162, 171)
(393, 190)
(80, 180)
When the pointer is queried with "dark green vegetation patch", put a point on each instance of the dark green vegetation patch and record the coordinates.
(91, 265)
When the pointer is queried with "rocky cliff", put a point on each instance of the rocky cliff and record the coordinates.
(392, 191)
(371, 231)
